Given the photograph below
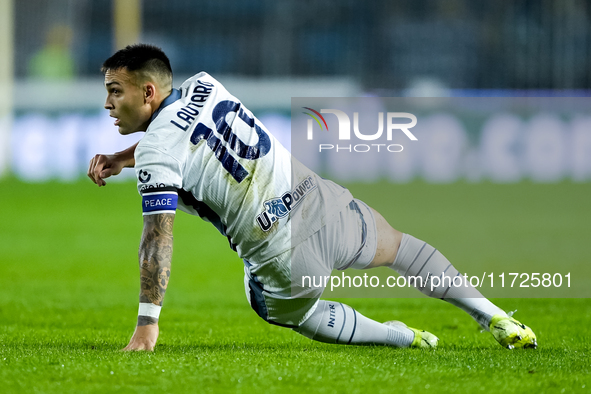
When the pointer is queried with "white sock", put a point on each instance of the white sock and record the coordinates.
(334, 322)
(416, 258)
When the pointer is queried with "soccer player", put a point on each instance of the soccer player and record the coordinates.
(204, 153)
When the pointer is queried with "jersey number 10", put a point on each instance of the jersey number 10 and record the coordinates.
(242, 150)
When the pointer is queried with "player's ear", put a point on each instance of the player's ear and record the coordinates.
(149, 92)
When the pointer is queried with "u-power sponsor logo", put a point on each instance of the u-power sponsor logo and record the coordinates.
(391, 119)
(279, 207)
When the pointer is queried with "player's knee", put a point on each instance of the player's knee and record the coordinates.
(284, 312)
(286, 320)
(388, 242)
(254, 292)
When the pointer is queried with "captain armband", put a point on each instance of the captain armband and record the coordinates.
(162, 200)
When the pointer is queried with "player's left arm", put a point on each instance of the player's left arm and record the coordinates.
(159, 179)
(155, 255)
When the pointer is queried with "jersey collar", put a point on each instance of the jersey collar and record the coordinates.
(174, 96)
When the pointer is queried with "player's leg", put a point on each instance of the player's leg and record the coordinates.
(420, 262)
(335, 322)
(414, 258)
(279, 294)
(336, 244)
(330, 322)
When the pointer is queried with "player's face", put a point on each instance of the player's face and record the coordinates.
(126, 101)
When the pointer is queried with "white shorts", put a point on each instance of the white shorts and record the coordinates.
(285, 289)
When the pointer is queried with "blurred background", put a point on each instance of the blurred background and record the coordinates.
(499, 179)
(266, 52)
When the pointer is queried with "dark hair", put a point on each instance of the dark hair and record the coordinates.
(140, 57)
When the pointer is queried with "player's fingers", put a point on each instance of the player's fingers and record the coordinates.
(100, 163)
(136, 347)
(130, 347)
(98, 166)
(107, 172)
(145, 345)
(91, 166)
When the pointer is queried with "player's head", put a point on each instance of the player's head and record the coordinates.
(137, 79)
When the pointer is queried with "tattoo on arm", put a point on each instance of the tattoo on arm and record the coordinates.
(155, 256)
(146, 320)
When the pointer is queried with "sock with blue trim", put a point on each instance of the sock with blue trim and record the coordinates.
(334, 322)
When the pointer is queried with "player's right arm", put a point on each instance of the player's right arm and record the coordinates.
(104, 166)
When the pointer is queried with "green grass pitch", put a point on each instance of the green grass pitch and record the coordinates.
(69, 294)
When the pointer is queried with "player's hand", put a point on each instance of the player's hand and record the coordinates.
(104, 166)
(144, 338)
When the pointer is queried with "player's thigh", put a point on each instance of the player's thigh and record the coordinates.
(388, 241)
(361, 238)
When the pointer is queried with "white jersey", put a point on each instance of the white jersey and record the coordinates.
(205, 151)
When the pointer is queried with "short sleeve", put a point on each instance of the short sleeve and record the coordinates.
(158, 180)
